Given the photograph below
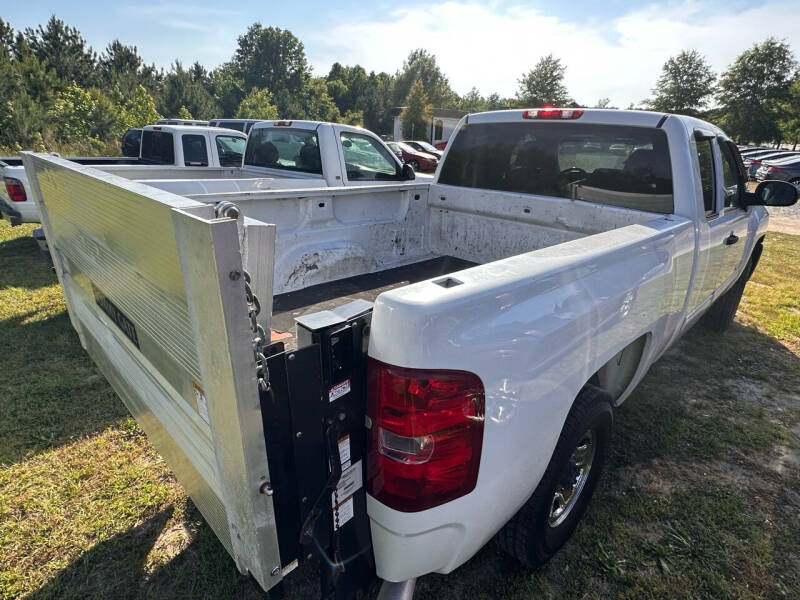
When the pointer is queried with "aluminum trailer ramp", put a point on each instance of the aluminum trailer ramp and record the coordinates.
(155, 286)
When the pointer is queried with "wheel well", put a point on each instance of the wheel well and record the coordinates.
(758, 248)
(616, 375)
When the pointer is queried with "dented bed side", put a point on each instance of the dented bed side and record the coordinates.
(153, 286)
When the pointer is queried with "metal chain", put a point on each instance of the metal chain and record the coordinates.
(259, 335)
(336, 508)
(260, 339)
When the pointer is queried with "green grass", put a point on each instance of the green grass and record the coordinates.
(701, 498)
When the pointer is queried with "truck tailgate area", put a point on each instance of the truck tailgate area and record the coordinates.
(147, 280)
(327, 296)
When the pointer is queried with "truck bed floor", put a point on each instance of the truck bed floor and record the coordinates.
(365, 287)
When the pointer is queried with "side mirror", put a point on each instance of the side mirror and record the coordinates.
(408, 172)
(772, 193)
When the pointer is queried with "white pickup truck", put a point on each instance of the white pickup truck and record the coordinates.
(162, 146)
(189, 159)
(387, 377)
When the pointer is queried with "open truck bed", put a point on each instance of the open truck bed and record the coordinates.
(329, 296)
(239, 337)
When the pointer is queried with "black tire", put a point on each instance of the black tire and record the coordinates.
(531, 536)
(414, 165)
(720, 316)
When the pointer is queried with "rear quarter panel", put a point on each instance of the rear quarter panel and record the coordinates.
(534, 327)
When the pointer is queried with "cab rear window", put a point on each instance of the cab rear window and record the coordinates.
(606, 164)
(280, 148)
(157, 147)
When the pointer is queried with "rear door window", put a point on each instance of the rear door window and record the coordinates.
(195, 153)
(157, 147)
(606, 164)
(705, 160)
(230, 150)
(281, 148)
(732, 179)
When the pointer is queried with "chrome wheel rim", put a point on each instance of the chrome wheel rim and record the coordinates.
(573, 479)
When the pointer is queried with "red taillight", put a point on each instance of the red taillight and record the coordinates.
(552, 113)
(15, 189)
(283, 123)
(426, 435)
(772, 169)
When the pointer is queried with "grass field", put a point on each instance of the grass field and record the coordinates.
(701, 498)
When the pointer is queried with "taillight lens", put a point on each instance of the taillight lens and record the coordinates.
(426, 435)
(552, 113)
(772, 169)
(15, 189)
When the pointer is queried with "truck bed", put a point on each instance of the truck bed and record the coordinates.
(326, 296)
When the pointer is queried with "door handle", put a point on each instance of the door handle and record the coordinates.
(731, 239)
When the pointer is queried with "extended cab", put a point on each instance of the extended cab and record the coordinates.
(386, 377)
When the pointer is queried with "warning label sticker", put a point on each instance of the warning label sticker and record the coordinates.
(350, 482)
(339, 390)
(344, 451)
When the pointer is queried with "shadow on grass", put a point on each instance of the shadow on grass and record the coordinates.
(710, 394)
(118, 567)
(50, 392)
(22, 265)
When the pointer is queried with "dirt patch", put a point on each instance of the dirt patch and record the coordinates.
(784, 224)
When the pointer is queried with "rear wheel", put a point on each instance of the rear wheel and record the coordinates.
(550, 516)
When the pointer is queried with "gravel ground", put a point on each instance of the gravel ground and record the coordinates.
(785, 219)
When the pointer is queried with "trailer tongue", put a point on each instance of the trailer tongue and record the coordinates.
(172, 300)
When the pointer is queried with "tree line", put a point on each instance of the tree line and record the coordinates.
(58, 92)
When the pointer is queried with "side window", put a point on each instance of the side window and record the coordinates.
(732, 179)
(366, 159)
(230, 149)
(194, 150)
(705, 158)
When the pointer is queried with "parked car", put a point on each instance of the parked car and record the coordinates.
(753, 163)
(456, 351)
(423, 146)
(131, 142)
(419, 161)
(398, 152)
(244, 125)
(787, 169)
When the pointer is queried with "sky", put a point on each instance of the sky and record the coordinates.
(612, 49)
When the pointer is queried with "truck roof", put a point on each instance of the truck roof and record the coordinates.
(192, 129)
(307, 125)
(605, 116)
